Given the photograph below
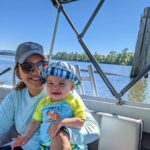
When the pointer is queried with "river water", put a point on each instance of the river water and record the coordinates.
(140, 92)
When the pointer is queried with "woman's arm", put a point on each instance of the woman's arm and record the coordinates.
(32, 128)
(87, 134)
(23, 139)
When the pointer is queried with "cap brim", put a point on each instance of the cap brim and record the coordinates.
(29, 53)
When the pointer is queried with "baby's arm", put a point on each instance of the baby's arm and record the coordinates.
(74, 122)
(23, 139)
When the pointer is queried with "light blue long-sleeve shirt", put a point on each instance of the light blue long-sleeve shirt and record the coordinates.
(18, 107)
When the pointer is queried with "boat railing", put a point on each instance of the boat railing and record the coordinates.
(3, 72)
(90, 77)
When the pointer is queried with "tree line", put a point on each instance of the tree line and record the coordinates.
(122, 58)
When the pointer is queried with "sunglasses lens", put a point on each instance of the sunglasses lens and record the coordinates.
(27, 67)
(42, 64)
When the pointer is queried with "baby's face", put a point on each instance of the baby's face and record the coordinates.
(58, 88)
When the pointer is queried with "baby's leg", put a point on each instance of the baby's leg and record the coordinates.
(61, 142)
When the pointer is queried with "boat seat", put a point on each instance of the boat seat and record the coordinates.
(120, 133)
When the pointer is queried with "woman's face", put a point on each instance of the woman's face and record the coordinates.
(32, 79)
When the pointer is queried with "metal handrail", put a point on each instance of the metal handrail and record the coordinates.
(5, 70)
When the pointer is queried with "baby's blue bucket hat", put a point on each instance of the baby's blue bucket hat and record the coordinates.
(60, 69)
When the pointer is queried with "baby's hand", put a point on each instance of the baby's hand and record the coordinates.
(54, 128)
(19, 141)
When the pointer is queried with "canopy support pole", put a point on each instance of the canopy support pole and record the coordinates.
(54, 36)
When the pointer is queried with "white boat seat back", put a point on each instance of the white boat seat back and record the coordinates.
(120, 133)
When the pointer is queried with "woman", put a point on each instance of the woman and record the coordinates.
(18, 106)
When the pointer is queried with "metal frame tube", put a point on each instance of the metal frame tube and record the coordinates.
(135, 80)
(54, 36)
(92, 18)
(93, 60)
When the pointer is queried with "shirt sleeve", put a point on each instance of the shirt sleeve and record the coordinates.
(78, 107)
(38, 113)
(7, 108)
(87, 134)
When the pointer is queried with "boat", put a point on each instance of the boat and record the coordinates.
(124, 125)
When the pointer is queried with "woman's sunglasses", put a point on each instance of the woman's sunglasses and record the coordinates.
(29, 67)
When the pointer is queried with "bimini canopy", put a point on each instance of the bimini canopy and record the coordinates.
(55, 2)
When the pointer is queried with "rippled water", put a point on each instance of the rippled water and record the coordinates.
(140, 92)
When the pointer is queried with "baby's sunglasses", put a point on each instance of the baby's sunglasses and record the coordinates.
(29, 67)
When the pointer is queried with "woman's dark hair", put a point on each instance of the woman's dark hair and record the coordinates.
(20, 85)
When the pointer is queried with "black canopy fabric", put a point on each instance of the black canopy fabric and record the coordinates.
(61, 2)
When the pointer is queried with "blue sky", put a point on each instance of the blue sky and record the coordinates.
(115, 27)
